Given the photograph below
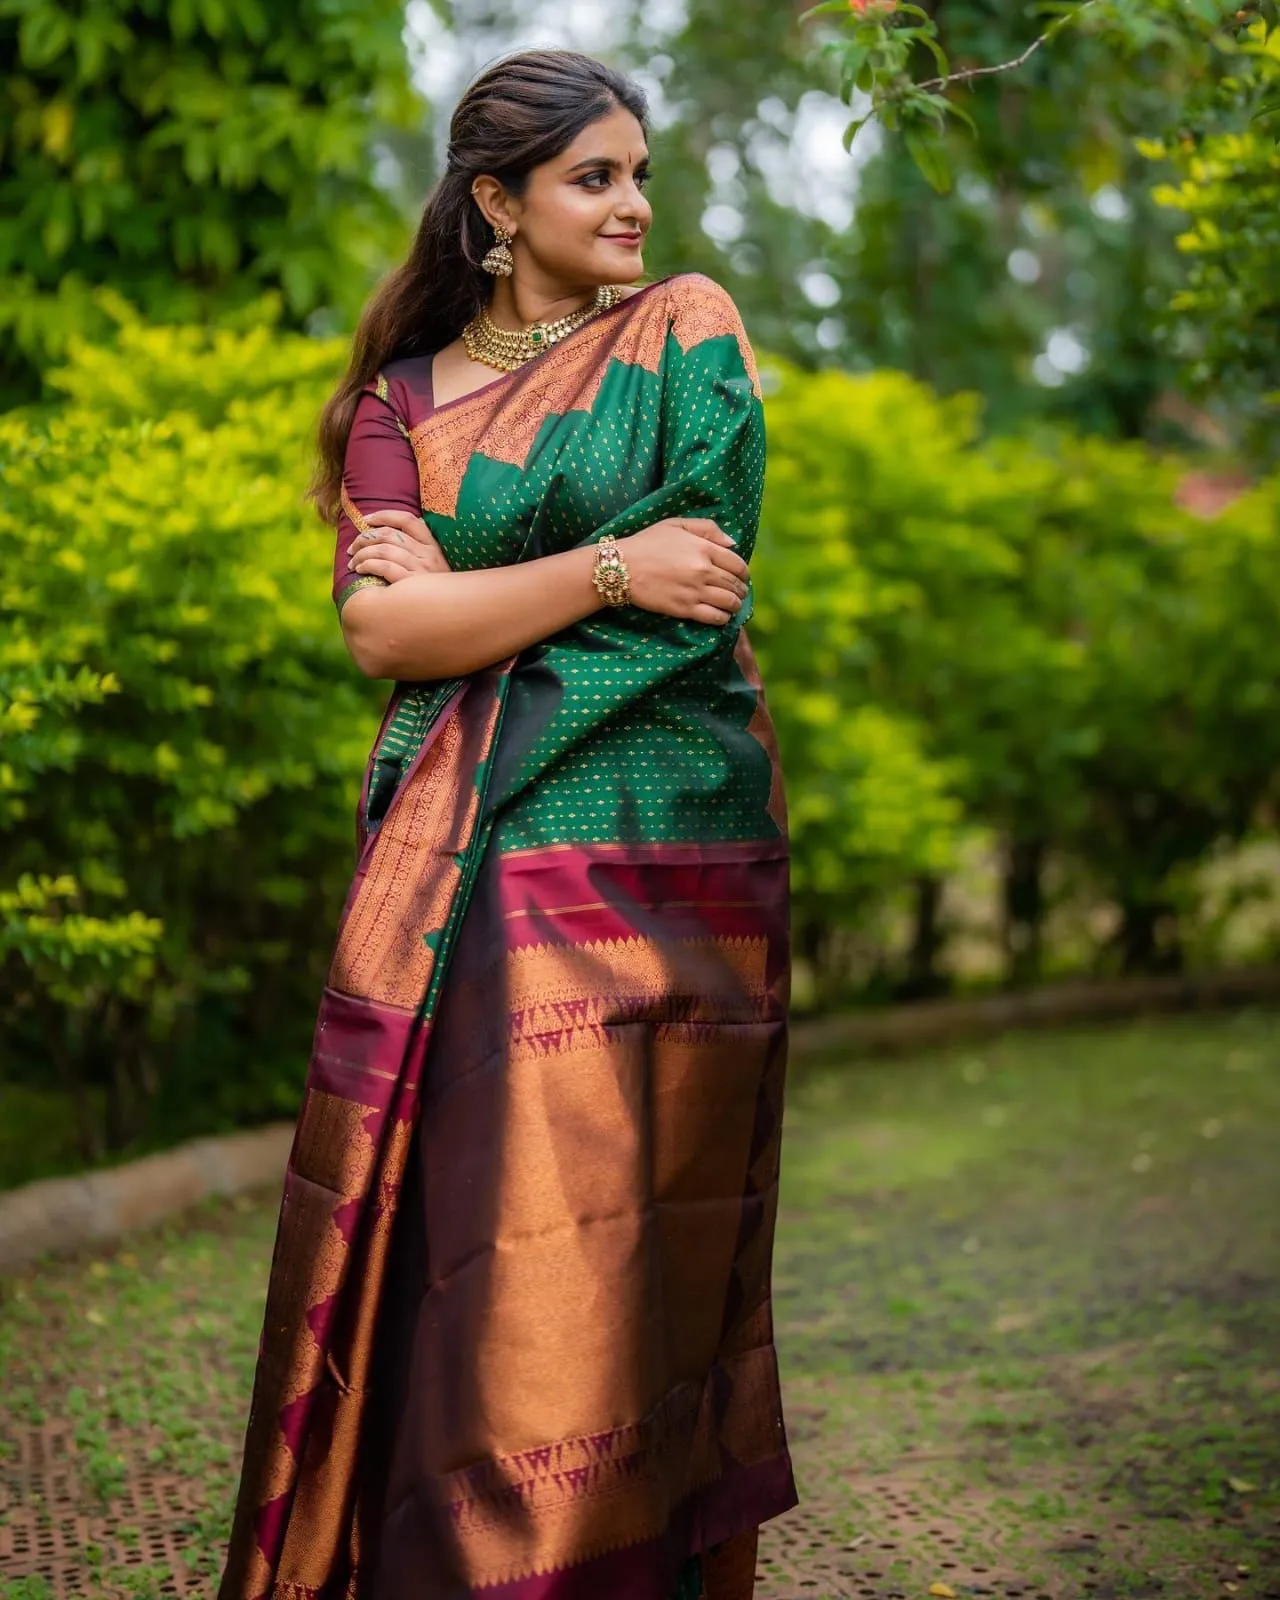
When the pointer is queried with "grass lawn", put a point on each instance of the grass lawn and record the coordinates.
(1028, 1304)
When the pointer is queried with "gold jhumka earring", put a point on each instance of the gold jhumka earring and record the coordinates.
(499, 260)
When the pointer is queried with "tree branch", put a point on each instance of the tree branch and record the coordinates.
(968, 73)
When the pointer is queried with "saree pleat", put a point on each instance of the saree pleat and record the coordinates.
(518, 1338)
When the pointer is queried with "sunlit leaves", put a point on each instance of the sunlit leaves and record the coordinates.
(183, 151)
(175, 699)
(1227, 165)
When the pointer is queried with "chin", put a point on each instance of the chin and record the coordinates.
(621, 265)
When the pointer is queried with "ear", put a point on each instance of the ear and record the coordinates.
(491, 197)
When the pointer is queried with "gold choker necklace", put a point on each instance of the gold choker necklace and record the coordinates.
(507, 348)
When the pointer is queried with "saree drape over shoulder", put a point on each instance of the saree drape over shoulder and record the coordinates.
(552, 1044)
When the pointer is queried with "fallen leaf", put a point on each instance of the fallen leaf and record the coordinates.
(96, 1317)
(1241, 1485)
(942, 1589)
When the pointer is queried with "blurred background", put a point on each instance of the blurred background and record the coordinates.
(1018, 612)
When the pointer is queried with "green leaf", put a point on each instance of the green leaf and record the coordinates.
(854, 60)
(927, 151)
(959, 112)
(43, 36)
(939, 54)
(182, 18)
(214, 18)
(852, 131)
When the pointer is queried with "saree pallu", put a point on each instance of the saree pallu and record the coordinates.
(518, 1339)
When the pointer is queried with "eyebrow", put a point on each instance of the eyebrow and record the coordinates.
(607, 161)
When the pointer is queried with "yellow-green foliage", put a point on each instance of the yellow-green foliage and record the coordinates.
(1031, 641)
(182, 729)
(1035, 641)
(1227, 183)
(868, 805)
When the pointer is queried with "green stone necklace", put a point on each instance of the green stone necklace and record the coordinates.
(509, 348)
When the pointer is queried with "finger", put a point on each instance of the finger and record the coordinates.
(407, 530)
(731, 562)
(722, 599)
(392, 571)
(413, 557)
(704, 613)
(705, 528)
(391, 517)
(391, 539)
(384, 550)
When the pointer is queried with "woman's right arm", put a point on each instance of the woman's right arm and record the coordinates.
(433, 625)
(429, 625)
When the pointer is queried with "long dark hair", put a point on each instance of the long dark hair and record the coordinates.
(522, 111)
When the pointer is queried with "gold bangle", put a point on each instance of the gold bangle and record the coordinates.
(610, 575)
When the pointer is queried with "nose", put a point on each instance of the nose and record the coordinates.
(633, 208)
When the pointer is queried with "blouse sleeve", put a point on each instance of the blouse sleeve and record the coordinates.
(380, 473)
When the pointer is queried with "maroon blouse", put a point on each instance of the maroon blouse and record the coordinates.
(380, 472)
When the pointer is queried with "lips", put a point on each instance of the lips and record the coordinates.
(623, 238)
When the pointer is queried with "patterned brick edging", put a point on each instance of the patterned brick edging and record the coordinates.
(60, 1215)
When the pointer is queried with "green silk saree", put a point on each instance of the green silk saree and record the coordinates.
(518, 1340)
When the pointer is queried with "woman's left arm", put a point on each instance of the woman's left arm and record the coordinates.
(381, 536)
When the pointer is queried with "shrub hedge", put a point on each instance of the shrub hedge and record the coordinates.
(1026, 640)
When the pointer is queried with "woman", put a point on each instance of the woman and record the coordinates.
(552, 1042)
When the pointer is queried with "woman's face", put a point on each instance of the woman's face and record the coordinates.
(583, 217)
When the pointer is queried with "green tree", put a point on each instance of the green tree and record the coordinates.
(192, 154)
(1226, 164)
(1194, 81)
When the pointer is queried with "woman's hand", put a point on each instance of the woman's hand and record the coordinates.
(399, 546)
(685, 567)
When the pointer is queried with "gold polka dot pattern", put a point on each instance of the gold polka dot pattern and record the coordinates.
(629, 726)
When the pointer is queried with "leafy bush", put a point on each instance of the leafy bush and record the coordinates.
(1031, 643)
(1060, 653)
(182, 729)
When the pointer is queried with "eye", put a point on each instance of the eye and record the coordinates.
(588, 179)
